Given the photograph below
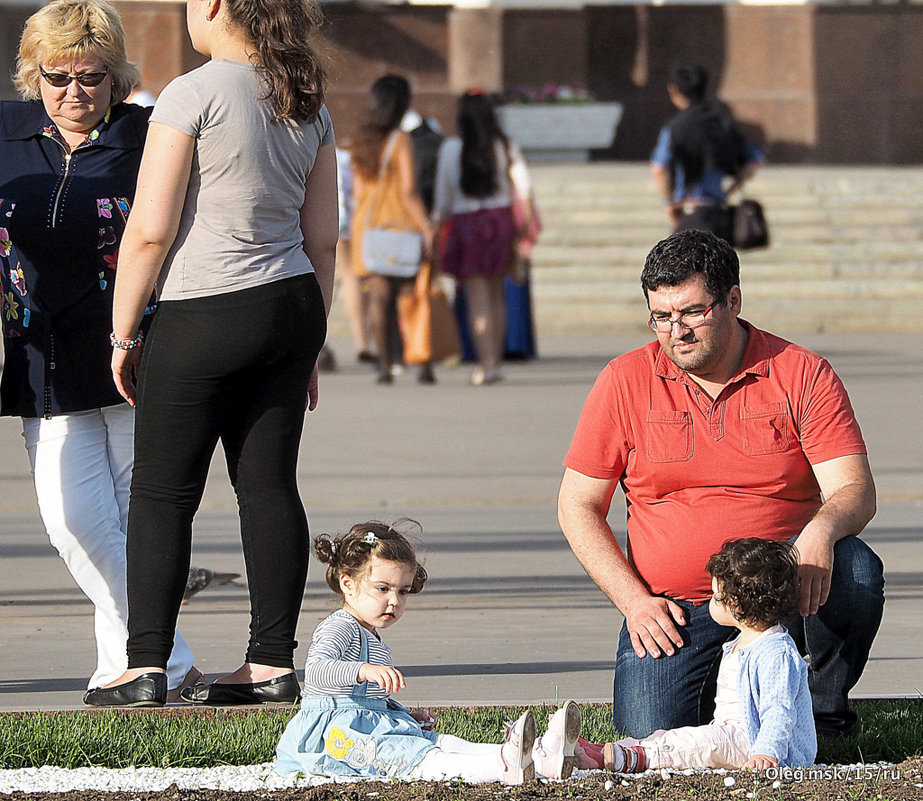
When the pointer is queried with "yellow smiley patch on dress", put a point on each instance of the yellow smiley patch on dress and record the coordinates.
(336, 742)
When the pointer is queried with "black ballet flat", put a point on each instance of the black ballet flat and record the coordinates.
(149, 689)
(280, 690)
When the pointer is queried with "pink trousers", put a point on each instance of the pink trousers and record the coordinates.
(715, 745)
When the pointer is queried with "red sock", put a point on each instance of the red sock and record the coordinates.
(593, 751)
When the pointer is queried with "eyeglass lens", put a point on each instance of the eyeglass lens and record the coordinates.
(59, 79)
(690, 321)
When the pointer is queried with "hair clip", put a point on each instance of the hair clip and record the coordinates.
(370, 538)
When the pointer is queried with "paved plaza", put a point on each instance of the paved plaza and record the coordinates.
(509, 615)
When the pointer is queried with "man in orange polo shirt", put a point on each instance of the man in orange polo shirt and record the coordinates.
(719, 430)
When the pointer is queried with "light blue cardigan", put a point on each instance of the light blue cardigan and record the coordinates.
(775, 700)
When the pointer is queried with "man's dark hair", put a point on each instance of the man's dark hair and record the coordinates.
(758, 579)
(674, 260)
(691, 80)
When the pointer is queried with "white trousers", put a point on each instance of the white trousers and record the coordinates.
(454, 758)
(81, 465)
(714, 745)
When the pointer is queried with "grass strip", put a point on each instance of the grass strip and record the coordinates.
(887, 731)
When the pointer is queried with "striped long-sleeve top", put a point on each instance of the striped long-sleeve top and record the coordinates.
(333, 663)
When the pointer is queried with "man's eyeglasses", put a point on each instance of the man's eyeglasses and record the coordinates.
(664, 324)
(59, 79)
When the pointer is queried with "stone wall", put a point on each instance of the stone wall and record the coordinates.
(814, 84)
(12, 19)
(156, 40)
(366, 41)
(811, 83)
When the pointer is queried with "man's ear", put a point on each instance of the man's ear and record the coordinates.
(735, 300)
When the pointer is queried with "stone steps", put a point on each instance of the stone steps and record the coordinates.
(846, 252)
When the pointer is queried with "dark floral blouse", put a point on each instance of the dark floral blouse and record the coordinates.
(61, 222)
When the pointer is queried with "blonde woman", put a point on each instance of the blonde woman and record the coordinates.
(70, 152)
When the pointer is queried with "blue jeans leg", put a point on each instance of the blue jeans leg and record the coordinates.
(837, 640)
(665, 693)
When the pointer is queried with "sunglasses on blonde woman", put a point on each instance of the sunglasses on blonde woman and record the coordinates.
(59, 79)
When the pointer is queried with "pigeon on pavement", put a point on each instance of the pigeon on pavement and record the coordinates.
(201, 577)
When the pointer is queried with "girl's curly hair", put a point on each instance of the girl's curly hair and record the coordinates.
(284, 33)
(349, 554)
(758, 579)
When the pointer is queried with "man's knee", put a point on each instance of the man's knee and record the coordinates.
(650, 694)
(637, 715)
(857, 571)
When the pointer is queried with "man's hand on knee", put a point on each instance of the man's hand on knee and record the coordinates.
(815, 568)
(651, 627)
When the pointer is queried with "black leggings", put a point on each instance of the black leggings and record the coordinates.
(233, 367)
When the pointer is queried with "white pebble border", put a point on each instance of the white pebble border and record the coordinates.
(254, 778)
(246, 778)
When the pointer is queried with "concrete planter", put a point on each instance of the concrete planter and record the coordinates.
(560, 131)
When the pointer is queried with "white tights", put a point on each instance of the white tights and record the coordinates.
(454, 758)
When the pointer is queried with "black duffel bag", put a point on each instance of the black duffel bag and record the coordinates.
(749, 228)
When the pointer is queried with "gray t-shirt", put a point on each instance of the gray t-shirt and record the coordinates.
(240, 225)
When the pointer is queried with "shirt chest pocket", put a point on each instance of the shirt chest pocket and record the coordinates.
(765, 429)
(668, 436)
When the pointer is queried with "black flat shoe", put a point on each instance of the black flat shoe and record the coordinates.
(280, 690)
(149, 689)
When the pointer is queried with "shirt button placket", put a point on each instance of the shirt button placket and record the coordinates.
(716, 421)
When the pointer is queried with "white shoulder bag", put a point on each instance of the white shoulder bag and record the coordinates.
(393, 252)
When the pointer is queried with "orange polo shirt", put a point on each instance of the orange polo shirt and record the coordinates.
(697, 473)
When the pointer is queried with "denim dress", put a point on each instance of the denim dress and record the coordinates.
(352, 736)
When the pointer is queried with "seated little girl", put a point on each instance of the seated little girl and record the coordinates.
(349, 724)
(763, 715)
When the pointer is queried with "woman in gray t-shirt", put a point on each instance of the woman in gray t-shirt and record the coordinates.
(236, 225)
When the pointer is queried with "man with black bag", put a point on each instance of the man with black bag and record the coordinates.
(696, 152)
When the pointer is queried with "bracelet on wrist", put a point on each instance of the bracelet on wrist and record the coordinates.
(126, 344)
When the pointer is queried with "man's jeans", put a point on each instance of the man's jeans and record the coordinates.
(673, 691)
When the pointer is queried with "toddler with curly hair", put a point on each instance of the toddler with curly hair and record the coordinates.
(763, 715)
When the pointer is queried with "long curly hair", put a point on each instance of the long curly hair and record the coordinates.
(349, 554)
(283, 33)
(757, 579)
